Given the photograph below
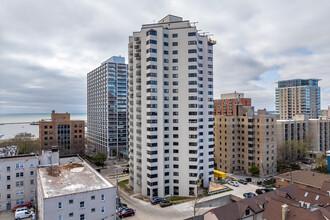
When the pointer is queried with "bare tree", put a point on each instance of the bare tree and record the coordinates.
(194, 205)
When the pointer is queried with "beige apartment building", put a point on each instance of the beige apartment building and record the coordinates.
(245, 140)
(316, 132)
(68, 135)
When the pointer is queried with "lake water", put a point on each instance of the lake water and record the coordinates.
(24, 120)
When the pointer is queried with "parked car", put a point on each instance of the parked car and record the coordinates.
(249, 195)
(126, 212)
(22, 209)
(260, 191)
(23, 214)
(156, 200)
(26, 204)
(269, 189)
(126, 170)
(120, 205)
(165, 203)
(233, 183)
(243, 181)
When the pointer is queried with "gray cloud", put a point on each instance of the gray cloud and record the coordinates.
(48, 47)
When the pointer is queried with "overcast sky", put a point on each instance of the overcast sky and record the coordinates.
(48, 47)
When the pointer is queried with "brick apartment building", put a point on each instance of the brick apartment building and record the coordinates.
(68, 135)
(229, 102)
(245, 140)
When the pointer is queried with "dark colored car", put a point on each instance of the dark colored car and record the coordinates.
(269, 189)
(155, 201)
(126, 212)
(126, 170)
(249, 195)
(244, 182)
(26, 204)
(260, 191)
(165, 203)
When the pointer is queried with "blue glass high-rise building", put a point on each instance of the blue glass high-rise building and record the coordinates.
(298, 96)
(107, 108)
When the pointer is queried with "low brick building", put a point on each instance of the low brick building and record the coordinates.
(303, 179)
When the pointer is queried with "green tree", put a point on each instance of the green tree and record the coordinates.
(321, 164)
(99, 159)
(254, 170)
(293, 150)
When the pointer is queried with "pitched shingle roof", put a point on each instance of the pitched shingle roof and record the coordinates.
(308, 178)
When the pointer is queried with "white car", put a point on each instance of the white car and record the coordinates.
(21, 209)
(233, 183)
(23, 214)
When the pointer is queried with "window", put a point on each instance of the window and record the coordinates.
(92, 197)
(82, 217)
(192, 51)
(151, 32)
(175, 60)
(174, 52)
(82, 205)
(190, 34)
(59, 217)
(19, 165)
(193, 67)
(31, 173)
(20, 192)
(175, 68)
(8, 177)
(93, 210)
(71, 214)
(151, 50)
(175, 44)
(193, 59)
(165, 51)
(151, 42)
(165, 43)
(192, 42)
(31, 182)
(175, 35)
(103, 209)
(102, 197)
(166, 35)
(59, 205)
(8, 169)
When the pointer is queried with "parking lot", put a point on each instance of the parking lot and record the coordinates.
(10, 215)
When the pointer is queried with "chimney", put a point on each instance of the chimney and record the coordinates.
(328, 193)
(284, 211)
(55, 155)
(301, 204)
(308, 205)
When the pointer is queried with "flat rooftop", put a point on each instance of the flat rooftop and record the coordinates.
(72, 178)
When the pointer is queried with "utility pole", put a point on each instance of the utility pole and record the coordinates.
(262, 173)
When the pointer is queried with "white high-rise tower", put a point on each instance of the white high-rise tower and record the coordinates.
(170, 108)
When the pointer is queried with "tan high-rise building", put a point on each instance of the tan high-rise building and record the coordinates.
(245, 140)
(298, 96)
(68, 135)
